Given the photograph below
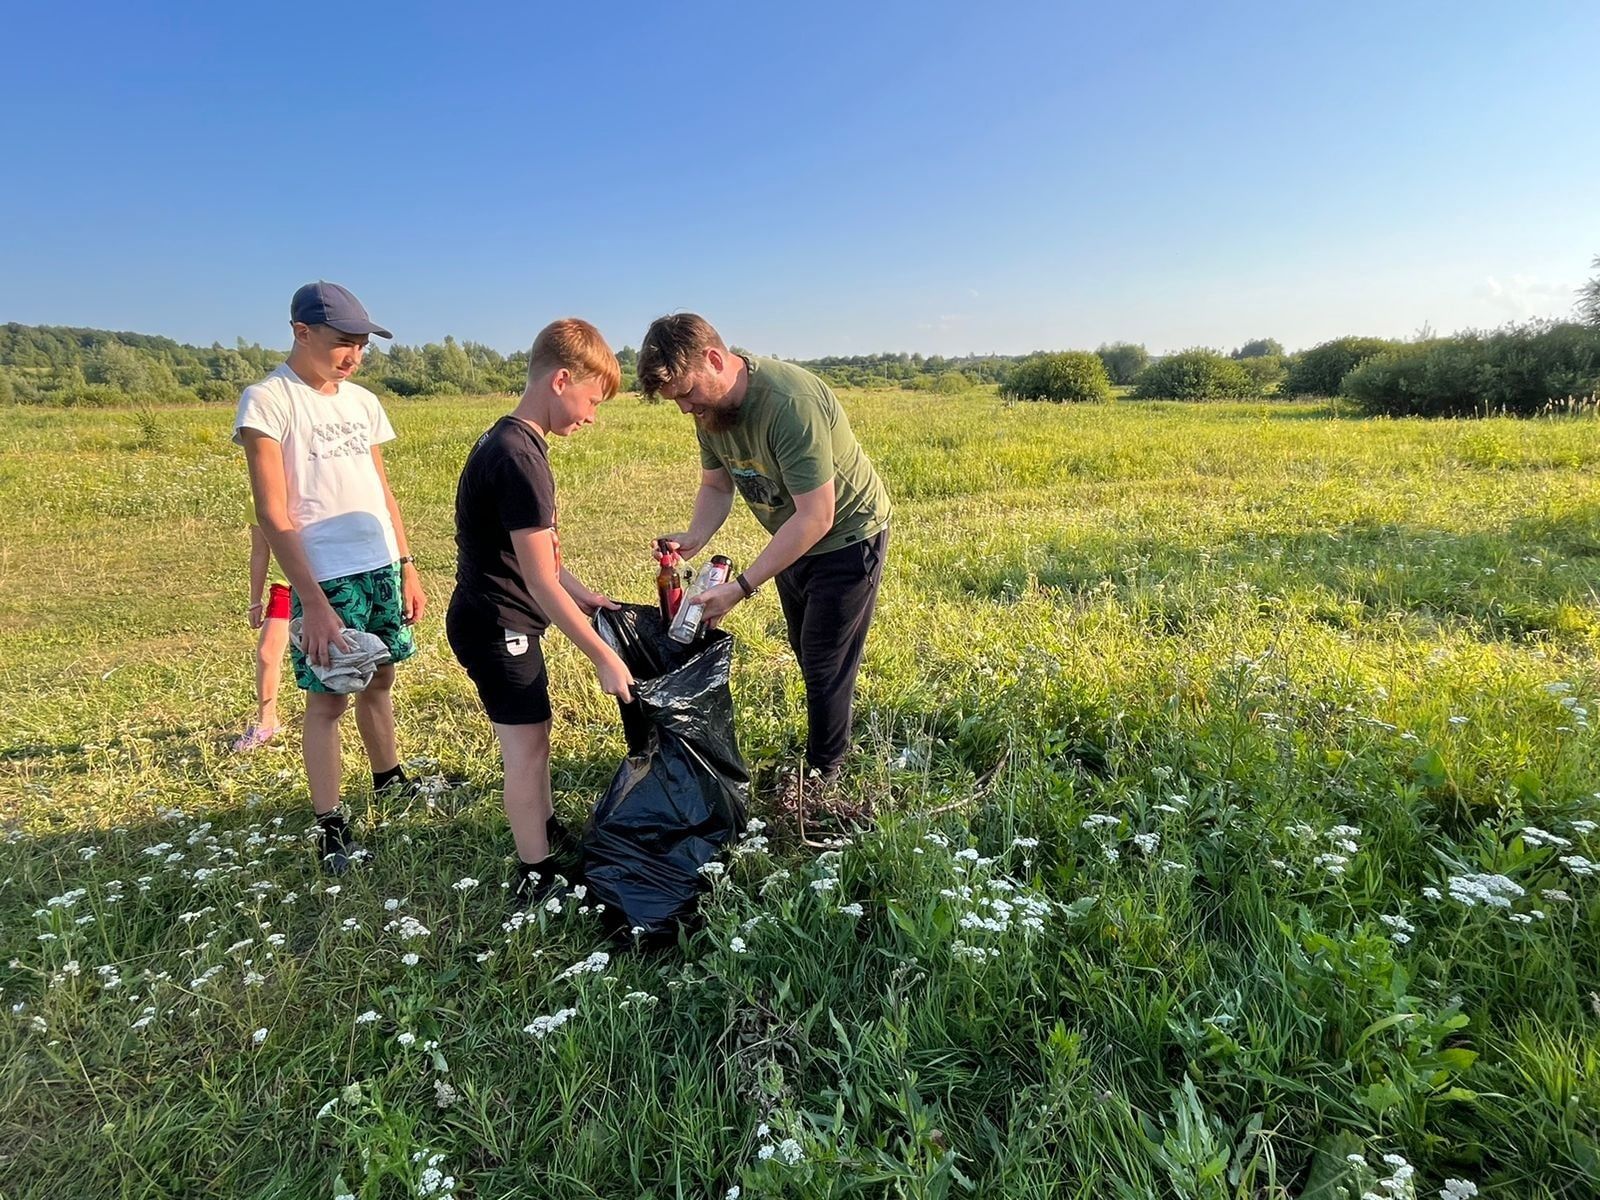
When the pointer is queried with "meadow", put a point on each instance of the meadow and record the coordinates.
(1239, 827)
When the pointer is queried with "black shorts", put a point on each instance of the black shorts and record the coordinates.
(507, 667)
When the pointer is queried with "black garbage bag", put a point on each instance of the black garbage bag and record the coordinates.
(679, 797)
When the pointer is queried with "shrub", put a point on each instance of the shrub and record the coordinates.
(1319, 370)
(1265, 371)
(1071, 375)
(1194, 375)
(216, 391)
(1516, 370)
(1123, 361)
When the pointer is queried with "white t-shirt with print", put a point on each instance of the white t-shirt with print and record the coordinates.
(335, 495)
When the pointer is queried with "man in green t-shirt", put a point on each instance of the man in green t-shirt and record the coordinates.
(777, 434)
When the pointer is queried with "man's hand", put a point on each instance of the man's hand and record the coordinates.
(615, 678)
(685, 545)
(716, 603)
(412, 601)
(320, 629)
(258, 615)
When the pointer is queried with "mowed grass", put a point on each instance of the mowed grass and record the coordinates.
(1238, 782)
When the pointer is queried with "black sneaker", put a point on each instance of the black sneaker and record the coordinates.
(534, 884)
(336, 844)
(433, 790)
(564, 849)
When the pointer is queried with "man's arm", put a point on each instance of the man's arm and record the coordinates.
(320, 625)
(536, 556)
(412, 599)
(712, 504)
(813, 517)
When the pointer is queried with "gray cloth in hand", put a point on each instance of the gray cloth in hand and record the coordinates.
(348, 670)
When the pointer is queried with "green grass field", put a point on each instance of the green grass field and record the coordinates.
(1238, 785)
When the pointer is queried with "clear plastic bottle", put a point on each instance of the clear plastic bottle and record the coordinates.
(686, 625)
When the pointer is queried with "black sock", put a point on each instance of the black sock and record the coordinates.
(382, 779)
(331, 819)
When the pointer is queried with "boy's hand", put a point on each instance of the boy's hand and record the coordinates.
(592, 602)
(615, 678)
(320, 629)
(685, 545)
(717, 602)
(412, 599)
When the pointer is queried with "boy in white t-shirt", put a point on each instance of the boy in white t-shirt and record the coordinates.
(312, 438)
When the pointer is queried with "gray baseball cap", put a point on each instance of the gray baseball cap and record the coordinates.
(324, 303)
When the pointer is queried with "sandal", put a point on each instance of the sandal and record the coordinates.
(255, 737)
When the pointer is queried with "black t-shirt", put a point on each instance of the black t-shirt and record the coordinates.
(505, 485)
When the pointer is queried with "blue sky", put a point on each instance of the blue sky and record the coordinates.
(815, 179)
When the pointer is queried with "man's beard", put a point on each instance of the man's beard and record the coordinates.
(719, 420)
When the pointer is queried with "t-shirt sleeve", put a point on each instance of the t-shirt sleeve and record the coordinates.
(526, 493)
(262, 409)
(802, 446)
(378, 421)
(709, 459)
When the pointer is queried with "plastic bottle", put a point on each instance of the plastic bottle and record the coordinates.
(686, 626)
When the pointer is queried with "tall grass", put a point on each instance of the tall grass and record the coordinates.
(1237, 779)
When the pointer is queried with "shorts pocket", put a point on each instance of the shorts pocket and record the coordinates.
(516, 643)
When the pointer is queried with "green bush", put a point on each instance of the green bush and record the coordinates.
(1123, 361)
(216, 391)
(1194, 375)
(1319, 370)
(1265, 370)
(1516, 370)
(1072, 375)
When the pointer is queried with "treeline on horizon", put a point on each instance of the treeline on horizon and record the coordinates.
(1519, 369)
(62, 365)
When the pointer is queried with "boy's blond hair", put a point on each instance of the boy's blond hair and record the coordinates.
(575, 344)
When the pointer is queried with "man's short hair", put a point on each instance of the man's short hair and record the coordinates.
(672, 348)
(575, 344)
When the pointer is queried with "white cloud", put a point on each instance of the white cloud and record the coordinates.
(1524, 296)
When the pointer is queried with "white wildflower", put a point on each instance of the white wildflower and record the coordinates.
(541, 1027)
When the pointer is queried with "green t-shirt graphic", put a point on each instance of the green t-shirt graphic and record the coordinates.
(792, 437)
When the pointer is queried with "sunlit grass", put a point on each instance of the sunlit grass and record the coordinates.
(1269, 730)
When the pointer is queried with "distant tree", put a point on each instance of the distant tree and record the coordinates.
(125, 369)
(1265, 371)
(1194, 375)
(1320, 370)
(8, 393)
(1123, 361)
(1260, 348)
(1589, 298)
(1072, 375)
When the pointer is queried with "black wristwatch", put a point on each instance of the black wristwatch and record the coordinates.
(406, 558)
(745, 585)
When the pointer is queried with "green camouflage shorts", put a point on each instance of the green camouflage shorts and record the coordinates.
(369, 601)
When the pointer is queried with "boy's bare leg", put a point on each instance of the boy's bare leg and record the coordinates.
(525, 753)
(375, 720)
(269, 666)
(321, 747)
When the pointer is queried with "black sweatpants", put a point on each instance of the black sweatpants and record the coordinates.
(827, 604)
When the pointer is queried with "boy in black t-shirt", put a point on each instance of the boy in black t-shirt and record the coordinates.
(510, 584)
